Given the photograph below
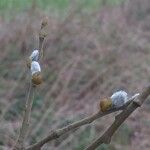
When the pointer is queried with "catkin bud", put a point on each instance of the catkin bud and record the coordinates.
(36, 73)
(105, 104)
(44, 22)
(35, 67)
(35, 55)
(37, 78)
(117, 100)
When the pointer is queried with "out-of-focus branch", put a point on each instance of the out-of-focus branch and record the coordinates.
(57, 133)
(119, 119)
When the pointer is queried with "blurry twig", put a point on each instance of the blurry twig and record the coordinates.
(94, 82)
(57, 133)
(76, 8)
(91, 84)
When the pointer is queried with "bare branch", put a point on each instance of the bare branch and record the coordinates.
(25, 124)
(26, 118)
(119, 119)
(57, 133)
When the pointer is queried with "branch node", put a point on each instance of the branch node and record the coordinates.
(55, 134)
(117, 117)
(137, 102)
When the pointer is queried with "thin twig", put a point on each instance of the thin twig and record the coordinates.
(42, 34)
(26, 118)
(119, 119)
(25, 123)
(57, 133)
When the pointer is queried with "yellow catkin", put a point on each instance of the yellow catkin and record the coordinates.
(37, 78)
(105, 104)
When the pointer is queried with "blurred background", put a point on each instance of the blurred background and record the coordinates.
(93, 48)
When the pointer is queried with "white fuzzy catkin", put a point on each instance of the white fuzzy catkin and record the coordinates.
(35, 55)
(35, 67)
(119, 99)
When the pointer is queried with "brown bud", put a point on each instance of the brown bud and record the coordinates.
(44, 28)
(105, 104)
(37, 78)
(44, 22)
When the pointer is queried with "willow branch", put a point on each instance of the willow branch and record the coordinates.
(59, 132)
(25, 123)
(119, 119)
(26, 117)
